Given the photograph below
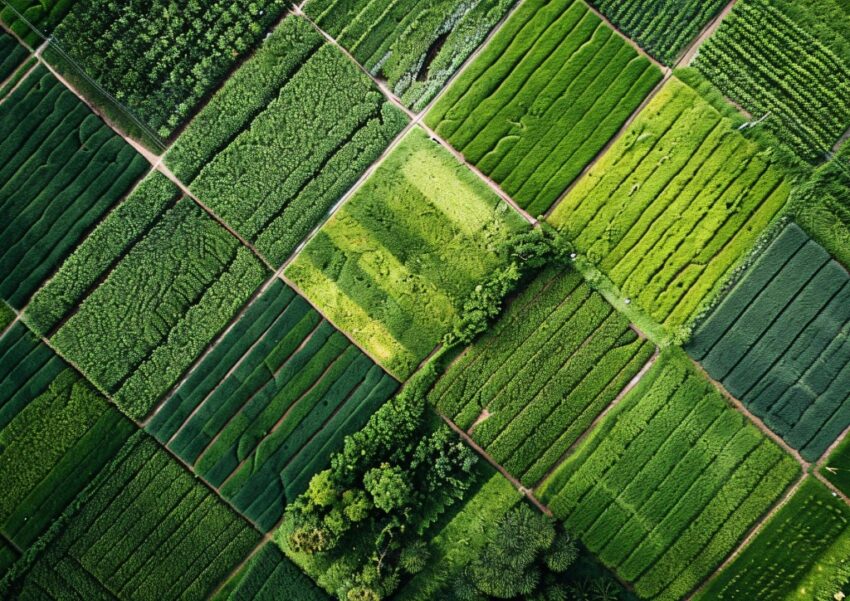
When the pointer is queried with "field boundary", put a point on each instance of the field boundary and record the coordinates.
(691, 50)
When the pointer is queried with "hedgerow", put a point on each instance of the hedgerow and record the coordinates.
(415, 46)
(675, 203)
(285, 138)
(61, 170)
(543, 98)
(158, 59)
(669, 482)
(395, 265)
(159, 307)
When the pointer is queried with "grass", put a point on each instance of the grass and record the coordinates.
(394, 265)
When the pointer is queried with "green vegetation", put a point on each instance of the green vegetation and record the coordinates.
(287, 136)
(158, 60)
(269, 405)
(536, 381)
(270, 576)
(800, 555)
(674, 204)
(394, 266)
(545, 96)
(12, 55)
(159, 307)
(779, 342)
(788, 60)
(663, 28)
(7, 315)
(144, 529)
(61, 169)
(836, 468)
(669, 482)
(18, 15)
(415, 46)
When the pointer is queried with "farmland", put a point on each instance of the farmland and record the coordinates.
(268, 406)
(800, 555)
(42, 14)
(61, 169)
(55, 416)
(535, 382)
(669, 482)
(270, 575)
(284, 139)
(668, 211)
(134, 341)
(779, 342)
(663, 28)
(789, 60)
(542, 100)
(394, 265)
(144, 529)
(414, 46)
(13, 55)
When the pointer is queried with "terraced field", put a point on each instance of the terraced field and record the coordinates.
(779, 342)
(284, 139)
(800, 554)
(416, 47)
(61, 170)
(536, 381)
(151, 312)
(144, 529)
(789, 60)
(394, 265)
(669, 482)
(674, 204)
(268, 406)
(542, 99)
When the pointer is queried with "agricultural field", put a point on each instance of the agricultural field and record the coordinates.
(158, 61)
(664, 29)
(779, 342)
(284, 139)
(788, 61)
(544, 97)
(395, 264)
(801, 554)
(269, 405)
(414, 47)
(144, 529)
(270, 576)
(56, 433)
(61, 170)
(669, 482)
(12, 56)
(675, 203)
(836, 466)
(536, 381)
(154, 306)
(23, 16)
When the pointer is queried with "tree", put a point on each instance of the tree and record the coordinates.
(389, 487)
(414, 557)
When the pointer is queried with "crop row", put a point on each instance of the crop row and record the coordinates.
(663, 28)
(415, 46)
(61, 169)
(543, 98)
(271, 575)
(802, 550)
(285, 138)
(766, 58)
(12, 55)
(42, 14)
(394, 265)
(780, 342)
(669, 482)
(548, 367)
(154, 312)
(674, 203)
(268, 406)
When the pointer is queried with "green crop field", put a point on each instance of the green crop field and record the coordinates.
(801, 554)
(268, 406)
(22, 15)
(664, 29)
(395, 264)
(667, 212)
(536, 381)
(788, 60)
(780, 342)
(542, 100)
(270, 172)
(12, 56)
(61, 169)
(415, 46)
(669, 482)
(270, 576)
